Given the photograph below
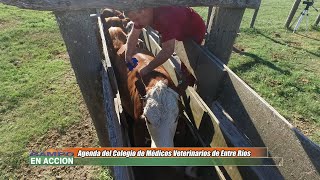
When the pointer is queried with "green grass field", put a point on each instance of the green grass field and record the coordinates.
(284, 68)
(38, 90)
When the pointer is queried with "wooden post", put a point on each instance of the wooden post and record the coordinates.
(292, 13)
(210, 21)
(265, 127)
(209, 15)
(81, 42)
(316, 23)
(225, 24)
(254, 18)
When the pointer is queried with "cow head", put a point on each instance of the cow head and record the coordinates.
(111, 13)
(116, 22)
(118, 37)
(161, 114)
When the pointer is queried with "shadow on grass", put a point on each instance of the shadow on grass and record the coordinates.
(257, 60)
(284, 44)
(306, 36)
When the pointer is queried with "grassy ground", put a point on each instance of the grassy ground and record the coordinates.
(284, 68)
(38, 89)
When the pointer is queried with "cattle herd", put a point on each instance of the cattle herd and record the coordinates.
(151, 102)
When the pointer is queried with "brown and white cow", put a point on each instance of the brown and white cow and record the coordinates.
(161, 110)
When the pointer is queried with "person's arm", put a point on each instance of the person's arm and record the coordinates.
(131, 43)
(163, 56)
